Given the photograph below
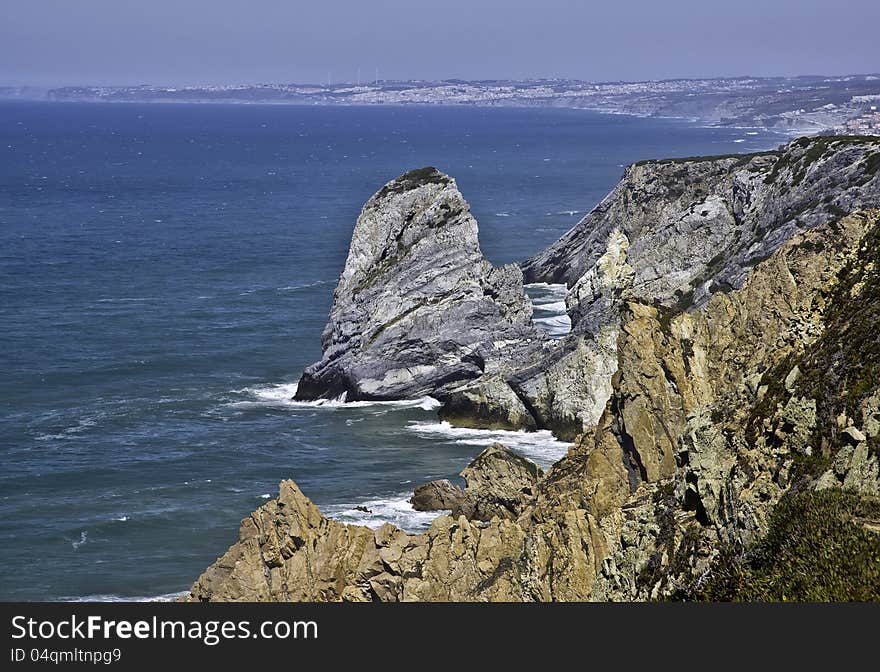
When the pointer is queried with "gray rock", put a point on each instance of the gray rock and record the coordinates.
(697, 226)
(419, 311)
(673, 233)
(417, 308)
(567, 388)
(488, 403)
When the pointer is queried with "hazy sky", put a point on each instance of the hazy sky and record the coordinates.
(51, 42)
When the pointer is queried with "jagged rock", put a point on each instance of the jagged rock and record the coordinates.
(437, 496)
(498, 483)
(419, 311)
(694, 223)
(566, 389)
(673, 233)
(739, 452)
(417, 307)
(287, 551)
(593, 295)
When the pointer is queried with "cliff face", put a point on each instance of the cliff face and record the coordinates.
(728, 418)
(673, 233)
(689, 227)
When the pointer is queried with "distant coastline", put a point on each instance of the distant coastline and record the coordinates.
(790, 105)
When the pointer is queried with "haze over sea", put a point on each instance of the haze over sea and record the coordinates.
(165, 274)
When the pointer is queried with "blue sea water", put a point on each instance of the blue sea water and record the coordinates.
(165, 274)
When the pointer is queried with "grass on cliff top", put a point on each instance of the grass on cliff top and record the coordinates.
(820, 547)
(817, 145)
(742, 159)
(412, 180)
(815, 148)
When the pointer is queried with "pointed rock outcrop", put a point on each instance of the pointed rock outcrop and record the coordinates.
(417, 308)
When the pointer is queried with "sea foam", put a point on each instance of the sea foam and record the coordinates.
(395, 509)
(548, 302)
(282, 395)
(541, 446)
(166, 597)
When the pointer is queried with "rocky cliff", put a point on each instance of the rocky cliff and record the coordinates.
(418, 310)
(417, 307)
(722, 380)
(673, 233)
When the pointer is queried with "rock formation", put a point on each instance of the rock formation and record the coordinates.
(675, 232)
(498, 483)
(419, 311)
(721, 405)
(440, 495)
(417, 307)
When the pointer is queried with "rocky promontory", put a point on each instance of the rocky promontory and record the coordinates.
(674, 233)
(419, 311)
(721, 386)
(417, 308)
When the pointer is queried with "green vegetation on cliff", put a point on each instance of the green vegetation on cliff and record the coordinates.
(821, 546)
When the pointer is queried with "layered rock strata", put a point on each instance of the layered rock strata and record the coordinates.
(419, 311)
(674, 233)
(718, 403)
(417, 308)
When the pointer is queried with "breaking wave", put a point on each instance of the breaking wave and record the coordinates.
(395, 510)
(167, 597)
(282, 395)
(548, 304)
(541, 446)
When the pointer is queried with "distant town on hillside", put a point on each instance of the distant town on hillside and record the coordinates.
(808, 104)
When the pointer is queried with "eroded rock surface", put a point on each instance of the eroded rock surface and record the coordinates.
(705, 431)
(723, 358)
(417, 307)
(419, 311)
(439, 495)
(498, 483)
(673, 233)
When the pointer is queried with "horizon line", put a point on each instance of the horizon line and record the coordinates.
(442, 81)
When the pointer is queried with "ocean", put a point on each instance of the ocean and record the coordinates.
(165, 274)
